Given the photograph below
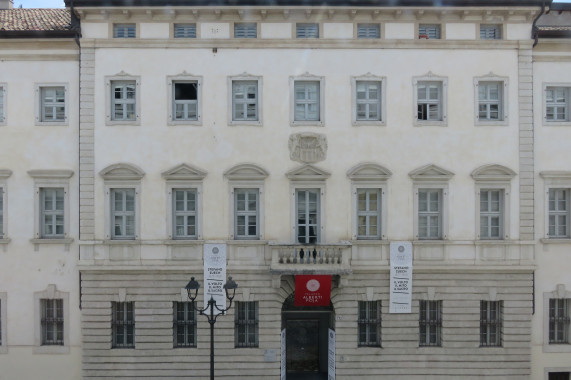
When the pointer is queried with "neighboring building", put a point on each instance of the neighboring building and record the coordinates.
(299, 138)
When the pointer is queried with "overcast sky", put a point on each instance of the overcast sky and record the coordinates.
(59, 3)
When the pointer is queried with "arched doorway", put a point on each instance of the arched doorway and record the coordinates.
(306, 338)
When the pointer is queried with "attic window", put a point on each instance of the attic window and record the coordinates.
(429, 31)
(124, 31)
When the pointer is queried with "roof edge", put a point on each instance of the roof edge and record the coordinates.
(6, 34)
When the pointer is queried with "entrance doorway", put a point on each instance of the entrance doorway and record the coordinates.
(306, 340)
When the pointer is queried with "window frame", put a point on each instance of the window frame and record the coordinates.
(556, 180)
(56, 305)
(4, 175)
(369, 78)
(443, 101)
(488, 322)
(501, 214)
(245, 77)
(359, 25)
(51, 293)
(298, 25)
(54, 213)
(555, 123)
(319, 224)
(171, 83)
(3, 103)
(186, 24)
(557, 213)
(174, 213)
(368, 322)
(500, 28)
(186, 324)
(3, 322)
(255, 24)
(379, 213)
(430, 305)
(122, 78)
(247, 323)
(293, 101)
(503, 100)
(115, 324)
(562, 323)
(247, 213)
(115, 26)
(560, 292)
(113, 191)
(420, 25)
(39, 102)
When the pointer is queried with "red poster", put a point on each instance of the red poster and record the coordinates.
(312, 290)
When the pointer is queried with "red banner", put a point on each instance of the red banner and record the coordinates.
(312, 290)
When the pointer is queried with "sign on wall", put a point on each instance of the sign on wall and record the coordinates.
(312, 290)
(331, 355)
(215, 274)
(401, 277)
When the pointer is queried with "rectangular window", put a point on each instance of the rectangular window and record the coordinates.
(491, 214)
(368, 31)
(308, 224)
(429, 31)
(246, 30)
(185, 100)
(306, 100)
(246, 324)
(430, 322)
(52, 322)
(52, 212)
(52, 101)
(559, 213)
(559, 375)
(307, 30)
(2, 106)
(1, 213)
(490, 101)
(559, 321)
(184, 324)
(123, 213)
(368, 213)
(184, 30)
(124, 31)
(246, 205)
(244, 100)
(429, 101)
(557, 103)
(369, 323)
(491, 323)
(430, 214)
(123, 324)
(490, 32)
(184, 213)
(123, 100)
(368, 100)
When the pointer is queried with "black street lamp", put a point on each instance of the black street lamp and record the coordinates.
(192, 290)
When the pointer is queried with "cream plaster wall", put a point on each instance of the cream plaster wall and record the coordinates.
(460, 31)
(215, 30)
(399, 31)
(337, 30)
(94, 30)
(154, 30)
(275, 30)
(518, 31)
(215, 146)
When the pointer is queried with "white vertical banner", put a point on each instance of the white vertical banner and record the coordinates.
(331, 355)
(215, 275)
(283, 355)
(401, 277)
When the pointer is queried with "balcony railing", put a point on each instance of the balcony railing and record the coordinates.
(299, 258)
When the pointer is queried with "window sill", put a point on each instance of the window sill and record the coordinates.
(126, 123)
(247, 242)
(51, 349)
(183, 242)
(61, 123)
(428, 123)
(245, 123)
(193, 123)
(3, 349)
(368, 123)
(498, 123)
(556, 241)
(5, 240)
(306, 123)
(556, 123)
(122, 242)
(52, 241)
(557, 347)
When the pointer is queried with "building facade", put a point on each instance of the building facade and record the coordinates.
(296, 139)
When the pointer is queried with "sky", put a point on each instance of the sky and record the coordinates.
(59, 3)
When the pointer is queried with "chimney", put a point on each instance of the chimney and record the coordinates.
(6, 4)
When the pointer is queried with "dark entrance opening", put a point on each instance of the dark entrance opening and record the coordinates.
(306, 340)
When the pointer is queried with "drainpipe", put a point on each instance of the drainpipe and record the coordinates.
(534, 28)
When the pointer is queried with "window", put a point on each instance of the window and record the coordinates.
(2, 103)
(185, 101)
(52, 104)
(246, 213)
(306, 30)
(430, 214)
(123, 213)
(184, 213)
(184, 31)
(1, 213)
(429, 31)
(307, 216)
(124, 31)
(559, 213)
(491, 106)
(557, 104)
(52, 213)
(559, 321)
(52, 322)
(490, 32)
(369, 213)
(429, 101)
(491, 323)
(369, 323)
(184, 324)
(491, 214)
(123, 99)
(368, 102)
(246, 30)
(368, 31)
(307, 100)
(246, 324)
(559, 375)
(244, 100)
(430, 321)
(123, 324)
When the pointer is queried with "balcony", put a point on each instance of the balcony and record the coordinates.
(310, 259)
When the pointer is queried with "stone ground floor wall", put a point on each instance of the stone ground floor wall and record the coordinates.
(399, 356)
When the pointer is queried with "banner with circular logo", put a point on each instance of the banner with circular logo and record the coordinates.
(312, 290)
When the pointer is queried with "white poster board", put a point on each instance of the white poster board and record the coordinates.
(331, 355)
(215, 275)
(283, 355)
(401, 277)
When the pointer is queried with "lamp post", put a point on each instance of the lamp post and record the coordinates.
(192, 290)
